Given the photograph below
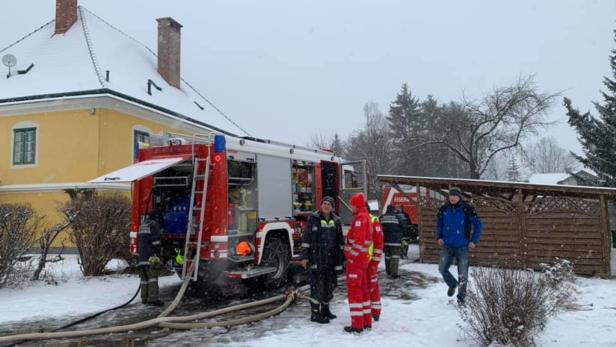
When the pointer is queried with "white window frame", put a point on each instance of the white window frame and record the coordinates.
(25, 125)
(140, 128)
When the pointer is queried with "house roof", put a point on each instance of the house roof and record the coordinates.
(76, 63)
(548, 178)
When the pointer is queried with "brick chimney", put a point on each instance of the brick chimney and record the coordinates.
(169, 47)
(66, 15)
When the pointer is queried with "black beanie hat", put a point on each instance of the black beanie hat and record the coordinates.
(330, 200)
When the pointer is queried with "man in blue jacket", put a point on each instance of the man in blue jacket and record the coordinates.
(458, 228)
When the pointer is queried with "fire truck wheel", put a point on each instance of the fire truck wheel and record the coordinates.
(275, 254)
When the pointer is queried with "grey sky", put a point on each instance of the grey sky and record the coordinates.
(287, 69)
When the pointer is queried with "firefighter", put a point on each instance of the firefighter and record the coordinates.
(458, 228)
(149, 258)
(359, 239)
(322, 251)
(376, 253)
(405, 223)
(392, 230)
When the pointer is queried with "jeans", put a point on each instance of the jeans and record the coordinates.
(446, 259)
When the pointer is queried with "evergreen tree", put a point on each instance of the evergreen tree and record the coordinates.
(337, 146)
(405, 118)
(513, 170)
(598, 134)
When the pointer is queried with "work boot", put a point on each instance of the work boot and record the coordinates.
(316, 315)
(318, 318)
(375, 317)
(155, 303)
(326, 312)
(451, 291)
(352, 330)
(394, 276)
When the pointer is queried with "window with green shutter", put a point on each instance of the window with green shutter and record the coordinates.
(24, 146)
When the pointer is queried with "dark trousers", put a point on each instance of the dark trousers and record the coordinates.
(149, 282)
(392, 259)
(446, 259)
(322, 284)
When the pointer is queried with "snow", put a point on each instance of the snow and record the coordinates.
(77, 61)
(548, 178)
(426, 317)
(72, 296)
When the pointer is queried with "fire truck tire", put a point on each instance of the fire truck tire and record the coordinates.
(276, 254)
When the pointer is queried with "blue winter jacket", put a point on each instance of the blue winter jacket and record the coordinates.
(458, 225)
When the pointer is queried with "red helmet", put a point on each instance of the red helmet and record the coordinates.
(359, 200)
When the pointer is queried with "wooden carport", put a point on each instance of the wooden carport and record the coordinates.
(525, 225)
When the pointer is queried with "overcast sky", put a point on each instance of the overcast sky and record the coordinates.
(287, 69)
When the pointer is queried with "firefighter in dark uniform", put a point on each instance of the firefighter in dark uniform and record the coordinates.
(406, 224)
(322, 254)
(392, 233)
(149, 258)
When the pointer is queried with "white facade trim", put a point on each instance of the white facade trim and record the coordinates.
(60, 187)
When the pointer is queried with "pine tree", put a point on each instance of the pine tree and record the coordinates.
(513, 170)
(337, 146)
(404, 120)
(598, 134)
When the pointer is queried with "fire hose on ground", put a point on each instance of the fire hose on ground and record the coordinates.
(176, 322)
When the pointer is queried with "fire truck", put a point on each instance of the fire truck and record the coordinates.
(239, 203)
(403, 198)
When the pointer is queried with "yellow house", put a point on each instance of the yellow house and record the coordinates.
(79, 99)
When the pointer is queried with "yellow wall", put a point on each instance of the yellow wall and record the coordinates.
(73, 147)
(66, 150)
(46, 205)
(116, 138)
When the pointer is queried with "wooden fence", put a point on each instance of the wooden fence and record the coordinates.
(524, 225)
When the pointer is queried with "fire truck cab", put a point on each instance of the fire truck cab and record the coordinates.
(236, 207)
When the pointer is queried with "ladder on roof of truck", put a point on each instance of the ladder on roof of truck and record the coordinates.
(196, 212)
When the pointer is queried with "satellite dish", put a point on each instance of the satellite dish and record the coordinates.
(9, 60)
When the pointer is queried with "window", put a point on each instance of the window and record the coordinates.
(141, 140)
(24, 146)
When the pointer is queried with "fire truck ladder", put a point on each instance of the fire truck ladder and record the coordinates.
(196, 212)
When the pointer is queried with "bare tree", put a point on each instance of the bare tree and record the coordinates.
(327, 141)
(100, 228)
(18, 225)
(373, 144)
(498, 123)
(546, 156)
(47, 239)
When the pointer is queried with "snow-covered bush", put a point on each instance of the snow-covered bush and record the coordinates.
(100, 230)
(508, 306)
(561, 278)
(18, 225)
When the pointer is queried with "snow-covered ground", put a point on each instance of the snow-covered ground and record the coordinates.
(416, 312)
(72, 296)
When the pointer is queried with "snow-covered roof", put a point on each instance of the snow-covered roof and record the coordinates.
(76, 63)
(548, 178)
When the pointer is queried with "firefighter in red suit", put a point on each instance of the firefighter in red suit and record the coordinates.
(358, 242)
(376, 254)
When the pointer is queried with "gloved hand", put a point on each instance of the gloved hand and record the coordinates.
(154, 260)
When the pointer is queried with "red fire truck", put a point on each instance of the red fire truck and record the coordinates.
(239, 203)
(403, 198)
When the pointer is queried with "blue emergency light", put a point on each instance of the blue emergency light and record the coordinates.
(220, 143)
